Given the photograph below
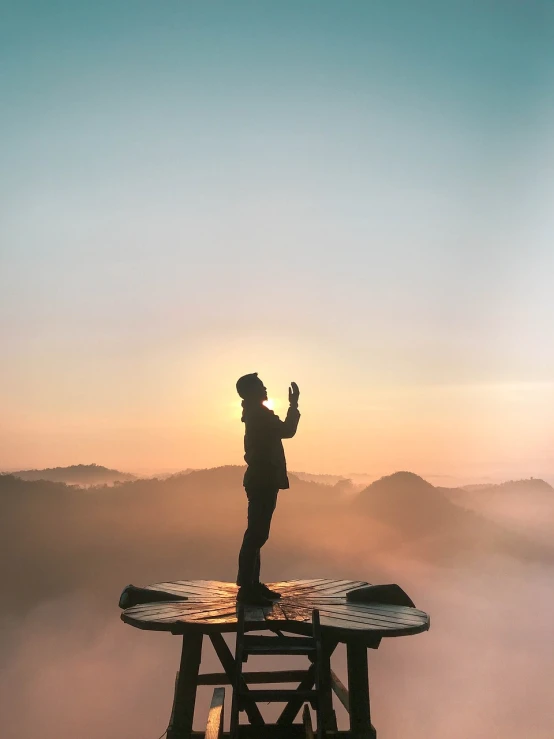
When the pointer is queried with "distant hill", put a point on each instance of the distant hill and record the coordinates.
(438, 521)
(406, 499)
(525, 487)
(323, 479)
(519, 505)
(342, 484)
(77, 474)
(180, 473)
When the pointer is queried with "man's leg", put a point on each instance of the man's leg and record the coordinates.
(261, 504)
(257, 565)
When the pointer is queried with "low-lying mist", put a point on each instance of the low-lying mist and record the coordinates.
(71, 667)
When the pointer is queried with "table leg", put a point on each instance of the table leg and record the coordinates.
(325, 686)
(180, 725)
(358, 690)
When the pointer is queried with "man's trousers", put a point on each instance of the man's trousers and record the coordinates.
(261, 504)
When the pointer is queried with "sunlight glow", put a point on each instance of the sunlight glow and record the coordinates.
(269, 403)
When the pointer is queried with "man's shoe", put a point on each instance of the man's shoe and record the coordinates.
(252, 596)
(267, 593)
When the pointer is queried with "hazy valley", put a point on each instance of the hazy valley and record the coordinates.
(482, 572)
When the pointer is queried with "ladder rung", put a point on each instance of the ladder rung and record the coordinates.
(279, 650)
(279, 695)
(259, 678)
(277, 645)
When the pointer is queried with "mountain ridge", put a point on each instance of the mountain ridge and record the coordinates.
(80, 474)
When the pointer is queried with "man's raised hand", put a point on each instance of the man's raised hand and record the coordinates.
(294, 393)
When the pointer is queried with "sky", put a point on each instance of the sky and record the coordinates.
(352, 195)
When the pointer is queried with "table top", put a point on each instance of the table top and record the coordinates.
(210, 606)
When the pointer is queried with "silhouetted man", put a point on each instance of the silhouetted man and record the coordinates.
(265, 475)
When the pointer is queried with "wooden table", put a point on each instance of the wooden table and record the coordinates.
(209, 607)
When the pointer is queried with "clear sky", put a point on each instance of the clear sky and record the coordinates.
(353, 195)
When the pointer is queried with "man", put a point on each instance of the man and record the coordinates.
(265, 475)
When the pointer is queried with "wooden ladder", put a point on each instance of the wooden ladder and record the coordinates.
(250, 644)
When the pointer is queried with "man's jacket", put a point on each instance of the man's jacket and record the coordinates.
(263, 448)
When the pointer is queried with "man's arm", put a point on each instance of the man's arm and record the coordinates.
(287, 428)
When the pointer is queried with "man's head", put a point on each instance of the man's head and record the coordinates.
(250, 387)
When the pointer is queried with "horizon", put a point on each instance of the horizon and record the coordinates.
(146, 473)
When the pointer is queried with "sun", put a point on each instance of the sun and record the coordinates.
(269, 403)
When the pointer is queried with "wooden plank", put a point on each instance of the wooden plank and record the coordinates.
(177, 590)
(208, 584)
(204, 588)
(371, 625)
(214, 610)
(211, 588)
(365, 618)
(228, 663)
(374, 632)
(397, 619)
(165, 618)
(297, 589)
(219, 623)
(343, 622)
(382, 608)
(338, 588)
(322, 585)
(229, 610)
(253, 678)
(305, 593)
(344, 625)
(214, 726)
(358, 691)
(397, 612)
(333, 587)
(340, 690)
(186, 607)
(185, 689)
(307, 721)
(143, 611)
(289, 584)
(182, 610)
(167, 587)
